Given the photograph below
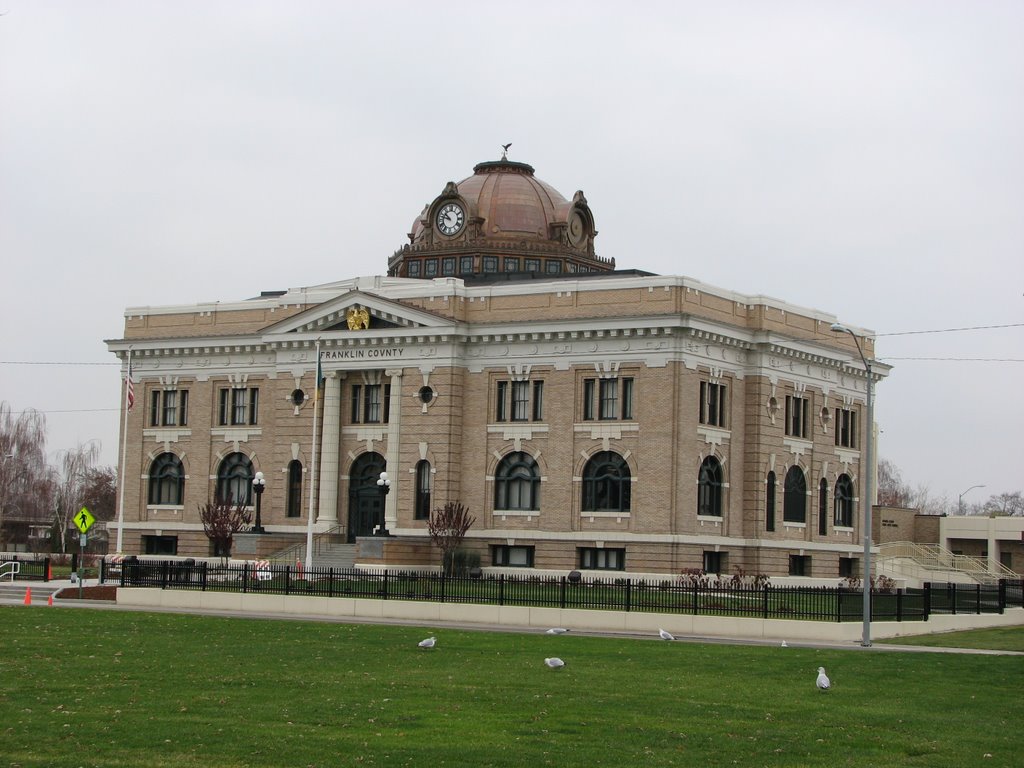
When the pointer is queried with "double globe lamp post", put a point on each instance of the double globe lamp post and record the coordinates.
(258, 484)
(867, 468)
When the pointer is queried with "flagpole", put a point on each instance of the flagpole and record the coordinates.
(312, 469)
(124, 452)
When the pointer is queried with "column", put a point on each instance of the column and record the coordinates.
(392, 455)
(329, 450)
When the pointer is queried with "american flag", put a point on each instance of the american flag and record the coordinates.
(131, 386)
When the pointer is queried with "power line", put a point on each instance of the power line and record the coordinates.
(962, 359)
(48, 362)
(951, 330)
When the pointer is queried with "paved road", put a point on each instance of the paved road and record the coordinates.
(41, 590)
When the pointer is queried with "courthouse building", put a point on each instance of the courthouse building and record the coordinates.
(589, 417)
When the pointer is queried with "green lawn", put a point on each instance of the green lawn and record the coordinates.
(998, 639)
(85, 687)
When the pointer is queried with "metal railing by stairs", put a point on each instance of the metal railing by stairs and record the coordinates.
(920, 560)
(330, 550)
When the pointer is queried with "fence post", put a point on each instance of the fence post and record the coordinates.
(629, 594)
(926, 601)
(330, 581)
(287, 578)
(977, 598)
(1002, 595)
(764, 601)
(205, 566)
(443, 582)
(695, 593)
(245, 578)
(103, 570)
(899, 604)
(561, 593)
(164, 568)
(501, 589)
(384, 585)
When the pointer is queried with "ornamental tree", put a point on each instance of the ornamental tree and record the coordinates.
(221, 521)
(447, 527)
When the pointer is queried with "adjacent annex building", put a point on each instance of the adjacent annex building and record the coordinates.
(590, 418)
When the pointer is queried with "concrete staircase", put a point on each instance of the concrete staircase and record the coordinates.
(330, 550)
(14, 592)
(930, 562)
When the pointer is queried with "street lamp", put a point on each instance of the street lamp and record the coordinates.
(868, 495)
(383, 485)
(258, 484)
(960, 501)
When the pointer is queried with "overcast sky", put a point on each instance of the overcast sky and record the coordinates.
(865, 159)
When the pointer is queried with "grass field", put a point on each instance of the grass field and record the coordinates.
(109, 688)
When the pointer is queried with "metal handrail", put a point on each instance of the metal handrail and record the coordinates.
(296, 551)
(933, 556)
(10, 569)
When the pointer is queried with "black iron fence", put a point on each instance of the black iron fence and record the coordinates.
(617, 594)
(29, 570)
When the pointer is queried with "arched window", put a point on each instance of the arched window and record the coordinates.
(844, 502)
(823, 507)
(423, 478)
(166, 480)
(709, 488)
(794, 496)
(234, 479)
(517, 483)
(769, 502)
(294, 506)
(606, 483)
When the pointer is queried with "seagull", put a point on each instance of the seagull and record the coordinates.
(785, 644)
(556, 631)
(554, 662)
(823, 682)
(428, 643)
(665, 635)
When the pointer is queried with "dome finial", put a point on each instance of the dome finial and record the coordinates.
(504, 150)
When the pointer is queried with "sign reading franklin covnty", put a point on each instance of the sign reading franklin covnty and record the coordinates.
(362, 354)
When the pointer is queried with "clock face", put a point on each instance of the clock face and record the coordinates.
(577, 231)
(450, 218)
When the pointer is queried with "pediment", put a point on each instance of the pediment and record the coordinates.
(357, 312)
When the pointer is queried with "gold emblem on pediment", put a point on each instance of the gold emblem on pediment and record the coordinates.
(358, 318)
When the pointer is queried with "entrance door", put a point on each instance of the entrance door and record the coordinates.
(365, 500)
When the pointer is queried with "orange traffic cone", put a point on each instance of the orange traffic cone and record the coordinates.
(49, 572)
(28, 596)
(49, 600)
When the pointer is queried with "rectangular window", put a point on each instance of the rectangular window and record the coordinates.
(848, 566)
(519, 401)
(797, 412)
(414, 269)
(448, 265)
(553, 266)
(512, 557)
(160, 545)
(714, 562)
(239, 406)
(430, 267)
(466, 265)
(490, 263)
(370, 403)
(846, 428)
(532, 265)
(712, 404)
(799, 565)
(599, 559)
(168, 408)
(511, 264)
(607, 399)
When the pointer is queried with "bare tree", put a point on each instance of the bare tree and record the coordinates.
(1004, 504)
(70, 483)
(447, 527)
(101, 492)
(892, 490)
(23, 470)
(221, 522)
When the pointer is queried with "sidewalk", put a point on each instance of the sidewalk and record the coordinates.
(42, 590)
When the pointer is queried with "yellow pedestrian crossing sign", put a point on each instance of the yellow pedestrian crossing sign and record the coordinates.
(84, 519)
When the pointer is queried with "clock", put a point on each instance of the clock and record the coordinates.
(450, 218)
(577, 230)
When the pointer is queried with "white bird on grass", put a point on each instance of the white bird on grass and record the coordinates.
(428, 643)
(554, 662)
(785, 644)
(823, 682)
(665, 635)
(556, 631)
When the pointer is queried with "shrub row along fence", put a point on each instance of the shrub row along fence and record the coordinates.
(619, 594)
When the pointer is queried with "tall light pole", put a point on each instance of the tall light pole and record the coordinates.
(258, 484)
(960, 501)
(866, 468)
(384, 486)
